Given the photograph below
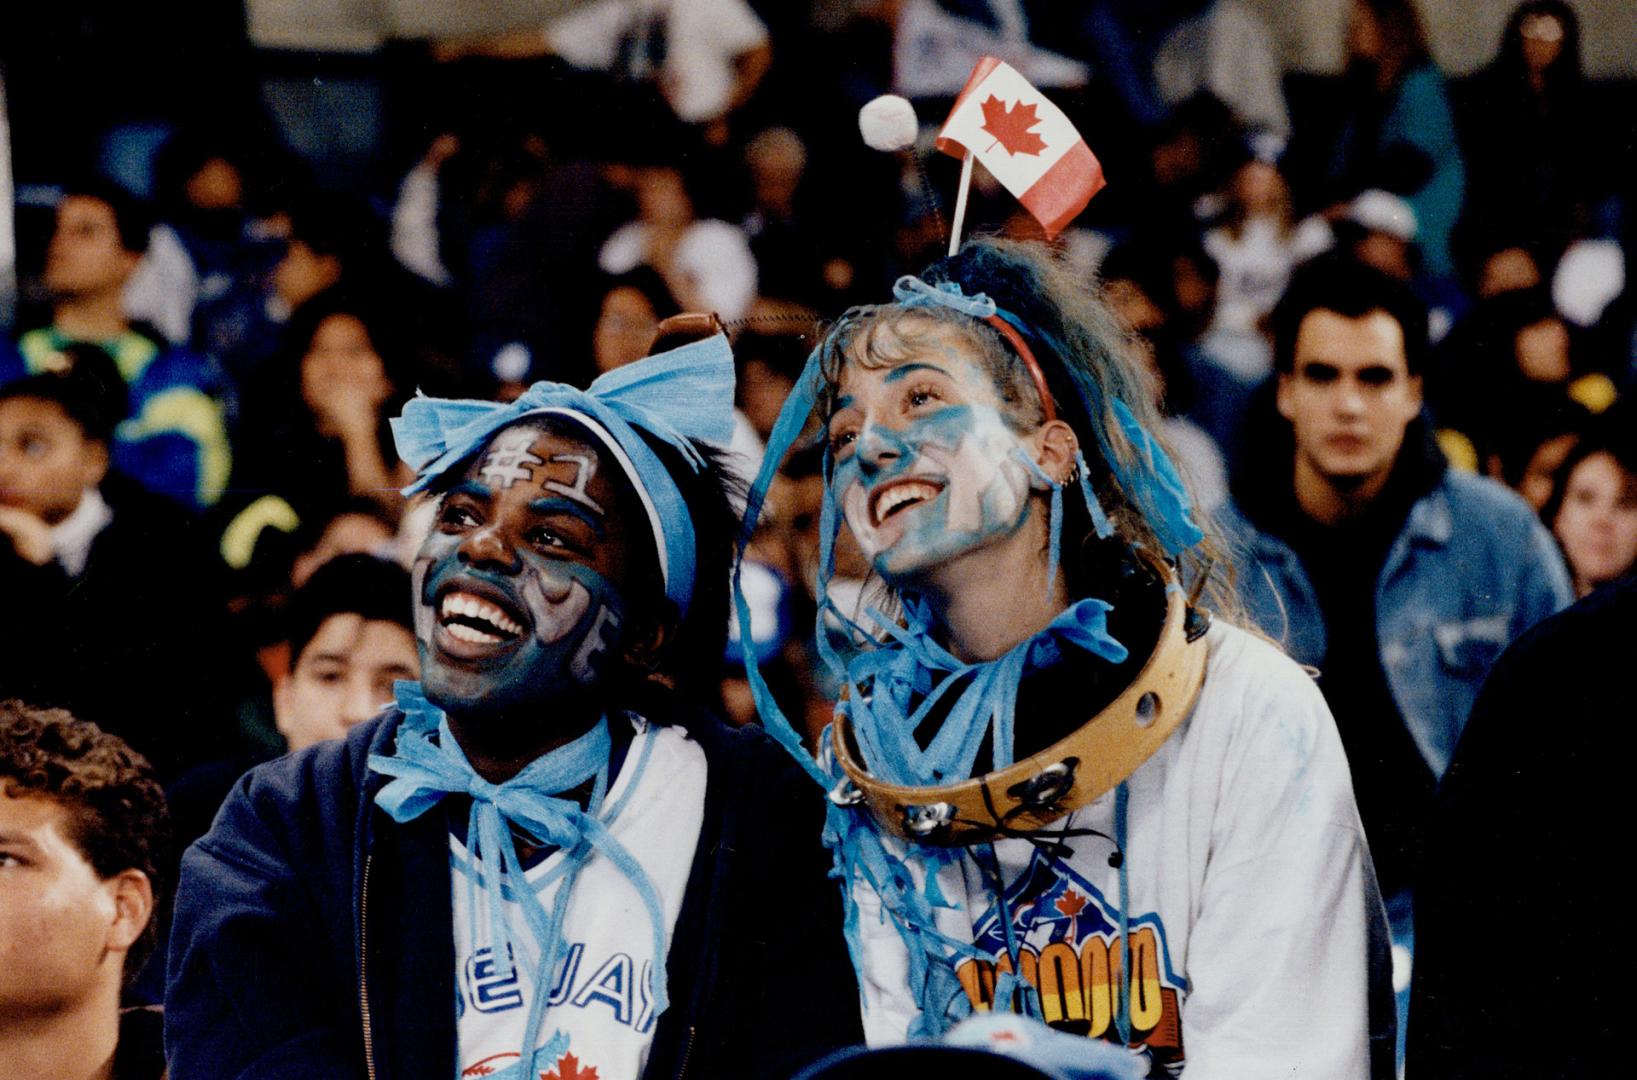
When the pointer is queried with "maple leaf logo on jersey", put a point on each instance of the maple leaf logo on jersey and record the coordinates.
(568, 1068)
(1010, 125)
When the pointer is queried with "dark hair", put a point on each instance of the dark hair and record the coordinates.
(86, 385)
(335, 225)
(131, 216)
(1403, 37)
(353, 584)
(1353, 291)
(1564, 72)
(116, 808)
(645, 280)
(1607, 434)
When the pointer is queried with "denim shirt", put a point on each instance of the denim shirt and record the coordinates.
(1471, 569)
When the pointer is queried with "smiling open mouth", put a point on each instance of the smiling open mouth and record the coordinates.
(477, 621)
(900, 495)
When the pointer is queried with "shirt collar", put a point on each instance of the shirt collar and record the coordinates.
(72, 537)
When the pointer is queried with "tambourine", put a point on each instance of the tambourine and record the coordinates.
(1073, 772)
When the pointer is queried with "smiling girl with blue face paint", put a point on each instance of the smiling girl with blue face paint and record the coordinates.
(1055, 787)
(933, 476)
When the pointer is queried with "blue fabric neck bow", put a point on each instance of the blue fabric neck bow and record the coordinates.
(427, 765)
(679, 397)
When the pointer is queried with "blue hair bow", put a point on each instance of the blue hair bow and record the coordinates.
(680, 396)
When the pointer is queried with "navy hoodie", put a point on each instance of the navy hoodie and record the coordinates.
(313, 935)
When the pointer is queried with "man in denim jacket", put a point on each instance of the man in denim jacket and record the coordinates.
(1398, 578)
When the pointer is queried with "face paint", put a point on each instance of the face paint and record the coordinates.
(927, 468)
(509, 460)
(518, 587)
(585, 468)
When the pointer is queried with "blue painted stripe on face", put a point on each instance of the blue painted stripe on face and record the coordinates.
(568, 506)
(472, 488)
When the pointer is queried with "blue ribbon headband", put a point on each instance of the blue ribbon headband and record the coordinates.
(680, 396)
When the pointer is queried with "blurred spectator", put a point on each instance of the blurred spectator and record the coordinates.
(1523, 378)
(122, 576)
(332, 241)
(802, 253)
(1227, 50)
(769, 365)
(83, 838)
(628, 317)
(1539, 476)
(1397, 133)
(315, 425)
(1257, 245)
(175, 441)
(1593, 511)
(351, 637)
(1399, 579)
(1135, 298)
(1516, 790)
(1527, 127)
(706, 264)
(705, 58)
(1379, 229)
(934, 48)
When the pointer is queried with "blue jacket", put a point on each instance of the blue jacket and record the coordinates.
(174, 442)
(1471, 570)
(313, 935)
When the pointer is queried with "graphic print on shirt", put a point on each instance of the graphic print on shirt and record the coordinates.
(1068, 938)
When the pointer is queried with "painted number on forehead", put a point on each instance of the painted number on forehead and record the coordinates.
(510, 458)
(586, 469)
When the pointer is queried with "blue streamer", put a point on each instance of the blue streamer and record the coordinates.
(427, 765)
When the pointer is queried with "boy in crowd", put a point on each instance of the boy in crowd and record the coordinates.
(82, 831)
(175, 442)
(102, 576)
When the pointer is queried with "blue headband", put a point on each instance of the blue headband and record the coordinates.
(679, 397)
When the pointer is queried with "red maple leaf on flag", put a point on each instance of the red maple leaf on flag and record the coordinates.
(1010, 125)
(568, 1068)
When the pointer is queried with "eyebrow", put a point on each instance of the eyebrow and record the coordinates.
(567, 506)
(907, 369)
(472, 488)
(19, 842)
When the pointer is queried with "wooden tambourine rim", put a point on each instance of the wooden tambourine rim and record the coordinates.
(1107, 749)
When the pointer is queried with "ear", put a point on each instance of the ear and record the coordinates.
(282, 711)
(646, 642)
(1414, 387)
(94, 463)
(1057, 447)
(1284, 392)
(132, 894)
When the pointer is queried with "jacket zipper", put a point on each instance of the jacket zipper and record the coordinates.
(363, 970)
(687, 1052)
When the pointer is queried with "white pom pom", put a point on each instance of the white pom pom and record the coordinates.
(888, 123)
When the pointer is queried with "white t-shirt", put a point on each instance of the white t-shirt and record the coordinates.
(600, 1011)
(1248, 877)
(702, 40)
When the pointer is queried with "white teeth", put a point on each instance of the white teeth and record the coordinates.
(472, 607)
(899, 494)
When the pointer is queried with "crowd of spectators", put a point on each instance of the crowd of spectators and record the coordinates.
(213, 334)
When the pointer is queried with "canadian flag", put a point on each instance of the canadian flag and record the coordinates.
(1025, 142)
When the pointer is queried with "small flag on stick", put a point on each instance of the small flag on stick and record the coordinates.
(1025, 142)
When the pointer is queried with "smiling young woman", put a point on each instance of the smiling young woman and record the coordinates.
(1043, 679)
